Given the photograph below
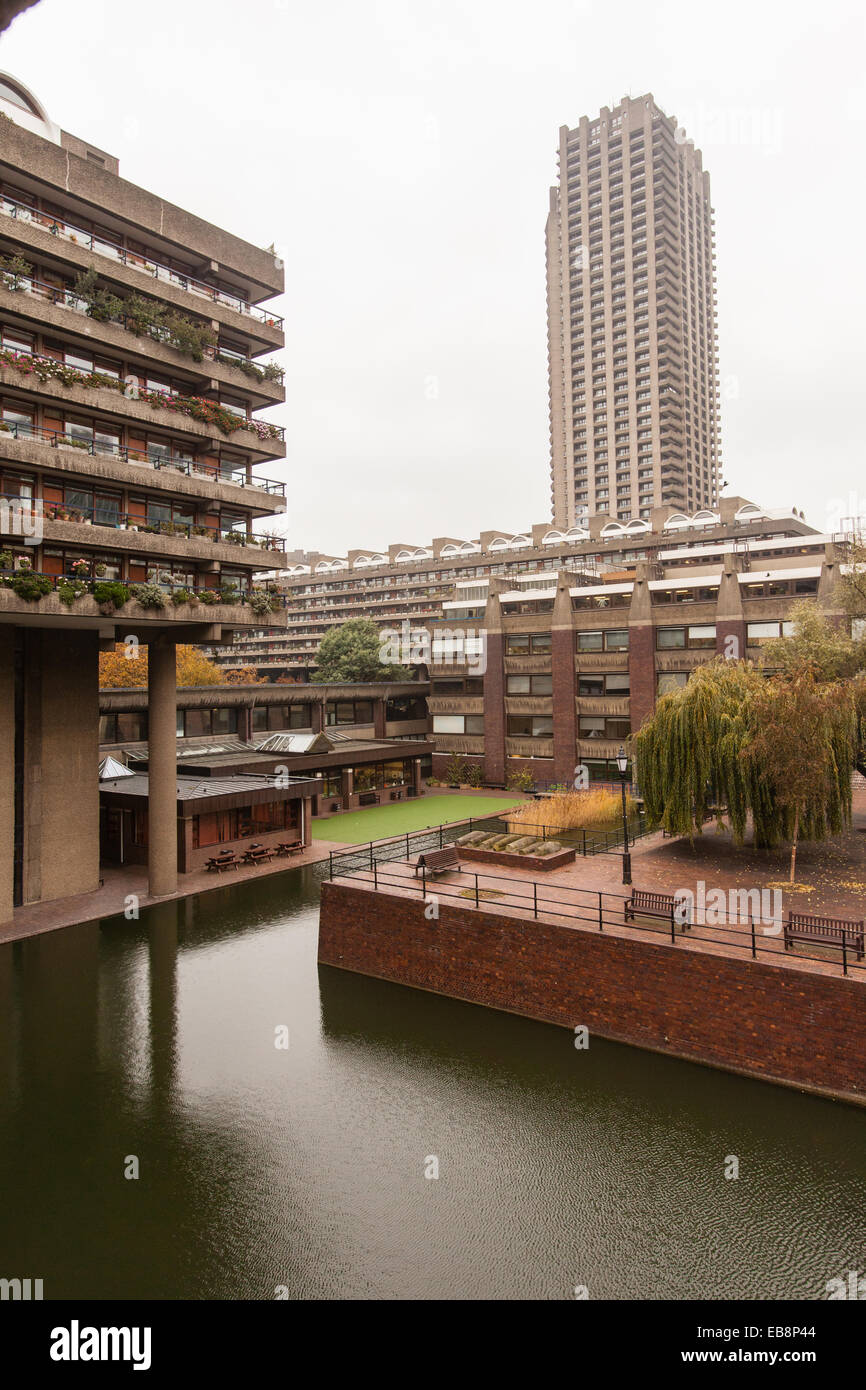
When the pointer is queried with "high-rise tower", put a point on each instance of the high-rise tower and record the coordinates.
(633, 364)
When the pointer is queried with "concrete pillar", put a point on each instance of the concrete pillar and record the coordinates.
(494, 693)
(417, 780)
(564, 679)
(162, 768)
(307, 820)
(317, 716)
(641, 652)
(245, 723)
(730, 618)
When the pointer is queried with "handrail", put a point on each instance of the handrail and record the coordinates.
(104, 247)
(190, 530)
(177, 462)
(589, 907)
(97, 380)
(70, 300)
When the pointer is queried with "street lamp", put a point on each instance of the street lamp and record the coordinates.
(622, 764)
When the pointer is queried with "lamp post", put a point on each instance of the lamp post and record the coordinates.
(622, 764)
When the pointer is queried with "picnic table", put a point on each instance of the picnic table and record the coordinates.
(226, 859)
(258, 854)
(286, 847)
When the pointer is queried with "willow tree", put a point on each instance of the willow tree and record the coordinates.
(778, 750)
(802, 744)
(689, 750)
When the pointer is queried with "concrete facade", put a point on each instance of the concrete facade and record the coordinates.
(129, 452)
(632, 357)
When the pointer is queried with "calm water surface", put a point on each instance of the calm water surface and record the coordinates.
(262, 1167)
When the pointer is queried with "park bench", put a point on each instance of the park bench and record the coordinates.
(287, 847)
(824, 931)
(646, 904)
(227, 860)
(438, 861)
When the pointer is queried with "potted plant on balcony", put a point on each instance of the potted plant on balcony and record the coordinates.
(99, 570)
(5, 559)
(79, 569)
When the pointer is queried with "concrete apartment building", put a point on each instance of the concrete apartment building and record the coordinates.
(129, 453)
(422, 586)
(631, 309)
(561, 668)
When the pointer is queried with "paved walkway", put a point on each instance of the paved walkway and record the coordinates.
(835, 873)
(119, 882)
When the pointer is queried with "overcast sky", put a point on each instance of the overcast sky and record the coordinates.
(399, 155)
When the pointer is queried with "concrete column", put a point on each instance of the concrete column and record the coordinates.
(417, 779)
(730, 618)
(317, 716)
(162, 763)
(245, 723)
(347, 786)
(307, 820)
(494, 693)
(564, 679)
(641, 652)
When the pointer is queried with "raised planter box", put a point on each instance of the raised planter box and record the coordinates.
(535, 862)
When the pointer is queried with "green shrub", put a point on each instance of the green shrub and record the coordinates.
(69, 590)
(455, 770)
(180, 596)
(111, 593)
(149, 595)
(31, 587)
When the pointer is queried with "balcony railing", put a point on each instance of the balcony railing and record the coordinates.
(58, 439)
(126, 521)
(67, 299)
(67, 231)
(223, 417)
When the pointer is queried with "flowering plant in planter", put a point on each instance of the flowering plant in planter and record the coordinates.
(80, 569)
(25, 564)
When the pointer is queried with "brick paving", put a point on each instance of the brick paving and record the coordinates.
(37, 918)
(835, 872)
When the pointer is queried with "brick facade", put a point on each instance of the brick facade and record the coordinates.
(776, 1023)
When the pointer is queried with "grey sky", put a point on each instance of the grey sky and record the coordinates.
(400, 155)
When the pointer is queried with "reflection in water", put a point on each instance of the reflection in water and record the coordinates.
(261, 1167)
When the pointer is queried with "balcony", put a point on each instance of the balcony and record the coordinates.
(528, 704)
(455, 704)
(523, 665)
(45, 307)
(529, 747)
(73, 455)
(67, 232)
(201, 615)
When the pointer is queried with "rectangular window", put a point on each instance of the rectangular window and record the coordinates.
(616, 641)
(702, 636)
(590, 641)
(529, 726)
(517, 644)
(671, 680)
(668, 638)
(448, 723)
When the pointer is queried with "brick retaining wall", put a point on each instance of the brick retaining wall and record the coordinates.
(774, 1022)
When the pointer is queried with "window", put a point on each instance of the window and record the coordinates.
(529, 726)
(529, 685)
(525, 643)
(679, 638)
(671, 680)
(458, 723)
(765, 632)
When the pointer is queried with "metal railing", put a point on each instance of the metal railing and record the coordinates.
(179, 463)
(103, 246)
(126, 521)
(68, 299)
(173, 399)
(592, 909)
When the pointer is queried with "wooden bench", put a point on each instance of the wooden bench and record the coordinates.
(438, 861)
(223, 861)
(645, 904)
(824, 931)
(289, 847)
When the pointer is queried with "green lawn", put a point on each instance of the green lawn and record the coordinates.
(379, 822)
